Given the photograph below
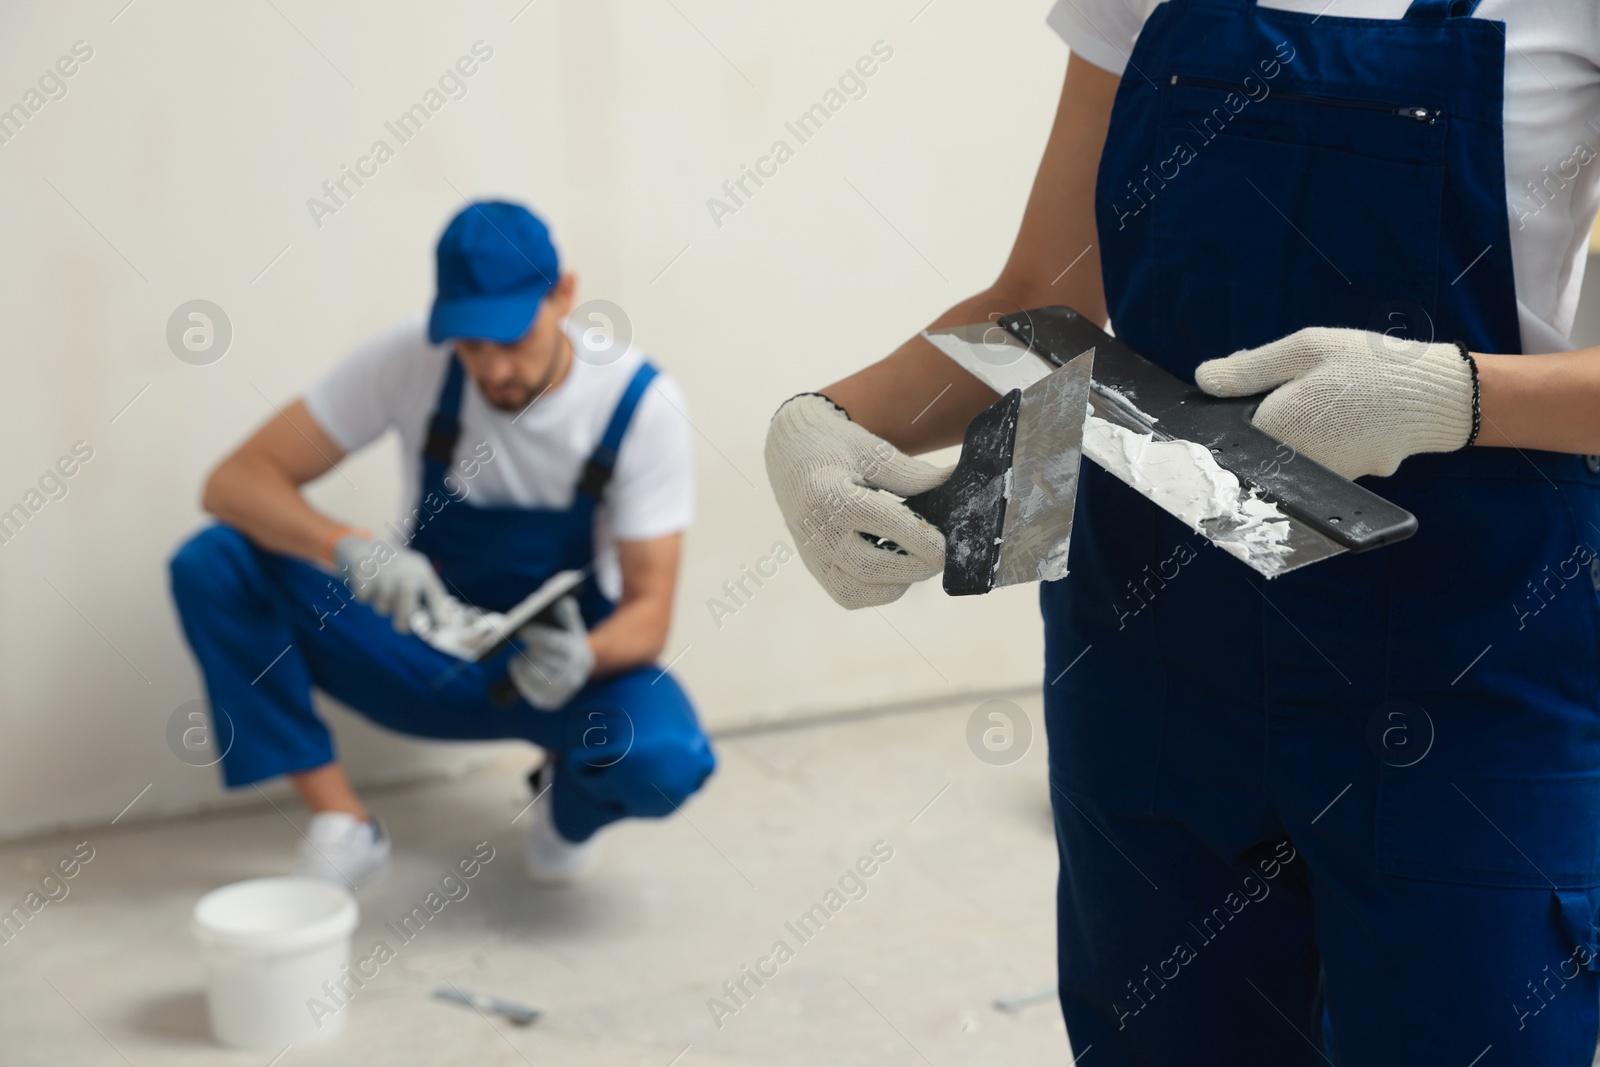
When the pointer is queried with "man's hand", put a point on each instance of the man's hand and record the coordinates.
(1354, 401)
(555, 661)
(864, 545)
(396, 582)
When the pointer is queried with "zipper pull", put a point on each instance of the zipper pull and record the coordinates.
(1421, 114)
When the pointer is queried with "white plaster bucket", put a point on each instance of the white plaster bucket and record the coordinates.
(269, 944)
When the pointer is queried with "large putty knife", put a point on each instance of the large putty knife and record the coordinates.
(1289, 510)
(483, 634)
(1006, 510)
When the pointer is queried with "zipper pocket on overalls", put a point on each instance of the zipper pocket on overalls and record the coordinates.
(1431, 116)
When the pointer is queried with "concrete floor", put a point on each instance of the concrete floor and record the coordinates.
(621, 967)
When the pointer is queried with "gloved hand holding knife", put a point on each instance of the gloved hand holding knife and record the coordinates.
(1002, 515)
(1354, 401)
(553, 662)
(835, 481)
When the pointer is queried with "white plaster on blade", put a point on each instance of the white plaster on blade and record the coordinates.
(1185, 480)
(1124, 400)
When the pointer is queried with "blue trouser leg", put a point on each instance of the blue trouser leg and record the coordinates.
(1450, 910)
(266, 629)
(1172, 952)
(1442, 830)
(1169, 953)
(1431, 972)
(243, 628)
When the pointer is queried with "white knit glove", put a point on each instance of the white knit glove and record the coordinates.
(396, 582)
(1354, 401)
(829, 475)
(555, 661)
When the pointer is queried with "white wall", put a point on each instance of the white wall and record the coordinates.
(178, 166)
(1586, 326)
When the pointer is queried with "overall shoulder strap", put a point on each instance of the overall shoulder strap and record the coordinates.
(597, 471)
(444, 428)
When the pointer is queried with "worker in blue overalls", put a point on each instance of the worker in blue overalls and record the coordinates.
(529, 448)
(1351, 816)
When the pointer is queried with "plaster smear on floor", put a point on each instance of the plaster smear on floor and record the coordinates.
(1183, 479)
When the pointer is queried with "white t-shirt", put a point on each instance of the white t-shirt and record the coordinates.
(1551, 119)
(393, 380)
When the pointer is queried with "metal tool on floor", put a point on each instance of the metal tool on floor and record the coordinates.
(520, 1014)
(1197, 456)
(1017, 1003)
(1006, 511)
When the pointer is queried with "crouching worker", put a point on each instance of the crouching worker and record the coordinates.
(523, 458)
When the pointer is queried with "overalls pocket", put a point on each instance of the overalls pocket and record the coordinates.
(1576, 914)
(1307, 181)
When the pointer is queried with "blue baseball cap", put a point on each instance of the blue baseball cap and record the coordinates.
(496, 265)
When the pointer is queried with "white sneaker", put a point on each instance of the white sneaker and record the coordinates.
(342, 849)
(551, 859)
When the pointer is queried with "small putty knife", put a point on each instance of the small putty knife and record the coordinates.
(485, 1004)
(1153, 431)
(1006, 510)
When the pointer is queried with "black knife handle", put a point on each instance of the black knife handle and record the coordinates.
(969, 507)
(1348, 514)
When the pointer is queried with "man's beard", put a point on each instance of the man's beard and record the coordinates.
(523, 397)
(519, 397)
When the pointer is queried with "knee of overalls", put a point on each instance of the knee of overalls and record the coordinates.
(655, 774)
(202, 564)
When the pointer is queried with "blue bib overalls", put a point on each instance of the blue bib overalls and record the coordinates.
(1366, 794)
(628, 744)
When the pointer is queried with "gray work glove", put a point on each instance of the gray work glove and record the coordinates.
(555, 661)
(396, 582)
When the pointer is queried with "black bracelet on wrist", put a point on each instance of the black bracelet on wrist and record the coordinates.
(1477, 409)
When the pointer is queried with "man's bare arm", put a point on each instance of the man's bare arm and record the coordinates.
(636, 632)
(257, 488)
(1055, 260)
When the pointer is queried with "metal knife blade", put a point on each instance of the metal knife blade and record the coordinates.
(1001, 361)
(1044, 475)
(1006, 509)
